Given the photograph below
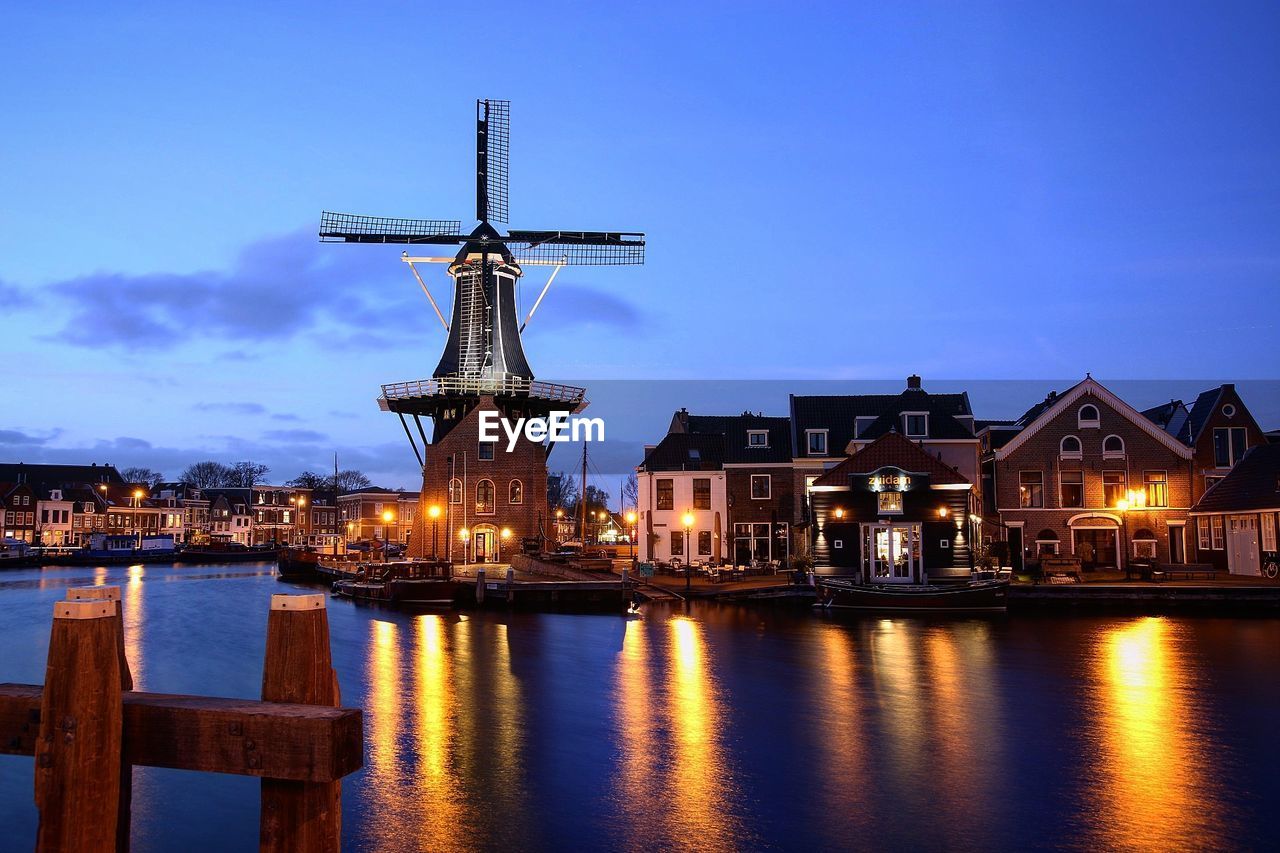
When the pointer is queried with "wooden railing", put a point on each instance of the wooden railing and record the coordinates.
(87, 728)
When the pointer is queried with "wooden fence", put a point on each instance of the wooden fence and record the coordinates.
(86, 728)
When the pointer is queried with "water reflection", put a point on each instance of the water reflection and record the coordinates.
(699, 788)
(132, 612)
(1154, 789)
(843, 734)
(438, 796)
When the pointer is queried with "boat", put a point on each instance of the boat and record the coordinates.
(975, 597)
(416, 582)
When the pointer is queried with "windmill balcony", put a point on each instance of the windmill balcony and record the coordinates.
(509, 386)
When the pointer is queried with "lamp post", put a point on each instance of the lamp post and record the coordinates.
(434, 512)
(688, 552)
(631, 522)
(465, 535)
(502, 539)
(1132, 499)
(387, 517)
(137, 506)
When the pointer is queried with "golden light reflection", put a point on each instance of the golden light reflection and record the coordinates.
(1154, 791)
(895, 669)
(700, 787)
(132, 612)
(437, 795)
(637, 715)
(844, 734)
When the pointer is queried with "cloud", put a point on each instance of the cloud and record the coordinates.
(277, 289)
(13, 437)
(13, 297)
(573, 305)
(294, 435)
(285, 416)
(234, 408)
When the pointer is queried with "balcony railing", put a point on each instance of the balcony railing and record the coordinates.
(509, 386)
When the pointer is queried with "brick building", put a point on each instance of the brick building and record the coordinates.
(1083, 473)
(18, 504)
(1237, 519)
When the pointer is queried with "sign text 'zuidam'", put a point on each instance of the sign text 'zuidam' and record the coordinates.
(556, 426)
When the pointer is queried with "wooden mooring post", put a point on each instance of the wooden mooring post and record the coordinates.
(86, 729)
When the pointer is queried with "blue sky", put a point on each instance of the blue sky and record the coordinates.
(840, 191)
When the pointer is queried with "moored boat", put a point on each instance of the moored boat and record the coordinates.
(412, 582)
(974, 597)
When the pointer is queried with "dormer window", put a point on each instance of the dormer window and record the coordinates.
(1069, 448)
(915, 424)
(757, 438)
(816, 441)
(1112, 447)
(88, 508)
(1087, 417)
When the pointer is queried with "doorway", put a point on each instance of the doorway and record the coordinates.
(892, 553)
(1096, 547)
(1243, 556)
(1177, 543)
(485, 540)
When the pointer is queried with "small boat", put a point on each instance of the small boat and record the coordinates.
(298, 564)
(415, 582)
(974, 597)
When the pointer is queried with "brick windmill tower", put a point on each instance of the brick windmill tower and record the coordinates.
(479, 500)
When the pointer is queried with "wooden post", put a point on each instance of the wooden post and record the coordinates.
(479, 586)
(299, 668)
(511, 584)
(112, 593)
(78, 751)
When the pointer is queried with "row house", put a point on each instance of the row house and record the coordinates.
(828, 429)
(1083, 473)
(230, 518)
(1218, 427)
(1237, 518)
(683, 495)
(372, 514)
(18, 512)
(278, 513)
(54, 515)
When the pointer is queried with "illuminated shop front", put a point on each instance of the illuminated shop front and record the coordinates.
(893, 513)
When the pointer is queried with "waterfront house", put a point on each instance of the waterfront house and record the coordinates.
(1236, 519)
(19, 504)
(88, 512)
(826, 429)
(1218, 426)
(683, 475)
(54, 510)
(893, 512)
(230, 520)
(1083, 473)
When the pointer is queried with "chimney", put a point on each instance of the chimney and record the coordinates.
(913, 382)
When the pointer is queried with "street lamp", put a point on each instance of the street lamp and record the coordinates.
(137, 506)
(1132, 500)
(631, 522)
(434, 512)
(504, 536)
(688, 552)
(465, 535)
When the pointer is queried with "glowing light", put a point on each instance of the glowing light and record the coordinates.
(631, 518)
(839, 512)
(688, 519)
(433, 511)
(464, 534)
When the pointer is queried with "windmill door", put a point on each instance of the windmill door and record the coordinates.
(1242, 549)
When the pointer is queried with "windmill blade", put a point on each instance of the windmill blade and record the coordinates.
(582, 248)
(351, 228)
(493, 150)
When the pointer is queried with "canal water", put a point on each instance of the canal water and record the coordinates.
(716, 728)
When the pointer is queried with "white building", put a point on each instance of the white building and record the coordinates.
(683, 475)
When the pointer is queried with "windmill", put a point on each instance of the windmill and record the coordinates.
(483, 354)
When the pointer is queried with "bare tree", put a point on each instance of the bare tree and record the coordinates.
(205, 475)
(311, 480)
(246, 474)
(630, 493)
(143, 476)
(349, 481)
(562, 491)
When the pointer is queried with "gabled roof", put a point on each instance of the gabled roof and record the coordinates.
(55, 476)
(682, 451)
(893, 450)
(735, 429)
(1054, 405)
(838, 414)
(1201, 409)
(1253, 484)
(1172, 417)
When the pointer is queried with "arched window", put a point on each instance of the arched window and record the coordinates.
(484, 497)
(1087, 416)
(1144, 544)
(455, 491)
(1112, 447)
(1070, 447)
(515, 494)
(1047, 542)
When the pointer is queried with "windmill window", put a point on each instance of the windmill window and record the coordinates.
(1112, 447)
(485, 451)
(1069, 447)
(484, 497)
(455, 491)
(515, 493)
(1087, 417)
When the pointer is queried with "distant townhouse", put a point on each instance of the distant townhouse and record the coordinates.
(19, 503)
(370, 514)
(827, 429)
(276, 513)
(1083, 473)
(682, 493)
(893, 512)
(1236, 520)
(1218, 426)
(54, 517)
(230, 518)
